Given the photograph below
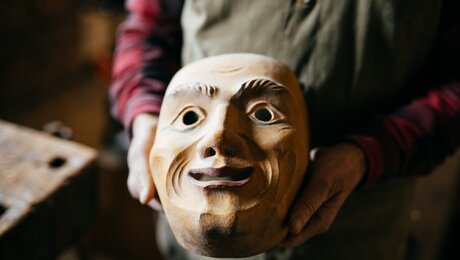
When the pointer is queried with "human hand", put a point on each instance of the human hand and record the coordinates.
(140, 181)
(334, 173)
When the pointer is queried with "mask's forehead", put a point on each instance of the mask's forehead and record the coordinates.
(229, 72)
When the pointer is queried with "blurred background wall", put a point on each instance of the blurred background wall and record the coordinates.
(55, 58)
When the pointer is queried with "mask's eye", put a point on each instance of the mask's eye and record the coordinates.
(188, 117)
(265, 113)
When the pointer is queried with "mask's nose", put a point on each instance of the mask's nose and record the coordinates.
(223, 138)
(220, 146)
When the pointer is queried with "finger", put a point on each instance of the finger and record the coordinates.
(140, 184)
(155, 204)
(310, 199)
(133, 184)
(147, 192)
(293, 240)
(319, 223)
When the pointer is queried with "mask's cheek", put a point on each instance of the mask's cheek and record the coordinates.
(284, 157)
(170, 172)
(170, 149)
(284, 183)
(160, 162)
(289, 177)
(276, 138)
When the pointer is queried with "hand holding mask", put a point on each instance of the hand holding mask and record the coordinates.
(230, 153)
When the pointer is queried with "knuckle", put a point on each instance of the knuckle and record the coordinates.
(325, 182)
(308, 206)
(133, 155)
(323, 221)
(134, 192)
(133, 186)
(131, 160)
(136, 168)
(130, 179)
(330, 208)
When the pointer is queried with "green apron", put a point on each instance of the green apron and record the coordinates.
(353, 59)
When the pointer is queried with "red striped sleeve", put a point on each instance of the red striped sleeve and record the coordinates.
(146, 57)
(416, 139)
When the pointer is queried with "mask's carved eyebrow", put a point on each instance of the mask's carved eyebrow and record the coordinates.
(193, 88)
(258, 87)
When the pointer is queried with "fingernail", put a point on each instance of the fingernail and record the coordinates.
(296, 225)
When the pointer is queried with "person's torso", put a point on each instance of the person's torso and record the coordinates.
(352, 57)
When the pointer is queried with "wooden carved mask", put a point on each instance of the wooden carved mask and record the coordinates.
(230, 153)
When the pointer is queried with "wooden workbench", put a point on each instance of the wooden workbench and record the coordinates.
(47, 193)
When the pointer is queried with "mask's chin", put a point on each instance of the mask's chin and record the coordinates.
(227, 231)
(221, 211)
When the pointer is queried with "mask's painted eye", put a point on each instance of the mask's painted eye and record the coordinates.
(188, 118)
(264, 113)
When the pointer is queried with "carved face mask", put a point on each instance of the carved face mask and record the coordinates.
(230, 153)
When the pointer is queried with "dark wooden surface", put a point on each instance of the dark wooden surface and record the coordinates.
(47, 193)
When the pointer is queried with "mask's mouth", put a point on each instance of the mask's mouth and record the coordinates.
(219, 177)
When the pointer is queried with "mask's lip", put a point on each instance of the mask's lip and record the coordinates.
(220, 177)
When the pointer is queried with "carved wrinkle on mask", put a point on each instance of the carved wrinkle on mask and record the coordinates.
(177, 175)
